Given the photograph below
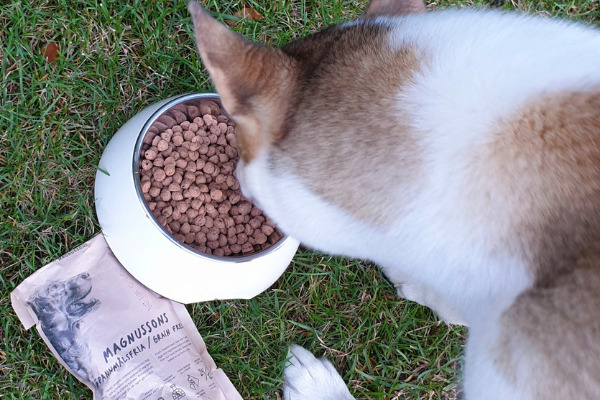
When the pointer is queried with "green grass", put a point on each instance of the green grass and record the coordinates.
(116, 58)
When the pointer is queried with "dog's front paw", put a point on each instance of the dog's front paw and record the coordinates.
(308, 378)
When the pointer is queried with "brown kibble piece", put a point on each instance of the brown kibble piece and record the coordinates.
(182, 206)
(177, 216)
(150, 154)
(255, 223)
(194, 191)
(209, 120)
(242, 238)
(167, 135)
(188, 135)
(159, 175)
(204, 109)
(213, 234)
(193, 112)
(165, 195)
(235, 198)
(191, 213)
(244, 208)
(247, 248)
(186, 184)
(179, 116)
(162, 145)
(260, 237)
(167, 211)
(189, 237)
(181, 163)
(178, 140)
(267, 229)
(185, 228)
(147, 165)
(220, 252)
(175, 225)
(154, 191)
(167, 120)
(209, 168)
(176, 196)
(216, 195)
(170, 170)
(200, 237)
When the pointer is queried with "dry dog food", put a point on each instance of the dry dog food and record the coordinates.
(187, 177)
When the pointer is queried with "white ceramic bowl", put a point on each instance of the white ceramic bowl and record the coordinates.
(147, 251)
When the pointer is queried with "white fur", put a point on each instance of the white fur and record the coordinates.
(481, 66)
(481, 379)
(308, 378)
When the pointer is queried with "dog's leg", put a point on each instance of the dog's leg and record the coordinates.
(309, 378)
(428, 298)
(543, 346)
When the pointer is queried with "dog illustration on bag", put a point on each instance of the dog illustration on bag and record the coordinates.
(60, 307)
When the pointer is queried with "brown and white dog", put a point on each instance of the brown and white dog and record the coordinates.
(460, 151)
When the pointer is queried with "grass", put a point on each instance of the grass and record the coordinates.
(55, 118)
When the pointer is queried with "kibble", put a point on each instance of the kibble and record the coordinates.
(187, 177)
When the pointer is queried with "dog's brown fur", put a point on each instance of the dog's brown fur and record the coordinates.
(555, 143)
(546, 158)
(393, 8)
(373, 164)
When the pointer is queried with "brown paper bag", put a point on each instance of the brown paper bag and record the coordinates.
(115, 335)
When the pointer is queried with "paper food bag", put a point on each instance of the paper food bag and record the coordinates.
(115, 335)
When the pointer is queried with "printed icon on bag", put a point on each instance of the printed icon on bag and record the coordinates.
(178, 393)
(193, 381)
(206, 373)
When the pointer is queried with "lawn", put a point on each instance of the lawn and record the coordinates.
(115, 58)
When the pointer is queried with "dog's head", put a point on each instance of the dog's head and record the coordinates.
(60, 305)
(302, 111)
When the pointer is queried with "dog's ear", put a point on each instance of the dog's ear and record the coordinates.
(390, 8)
(254, 81)
(41, 306)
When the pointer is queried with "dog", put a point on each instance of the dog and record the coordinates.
(60, 306)
(460, 151)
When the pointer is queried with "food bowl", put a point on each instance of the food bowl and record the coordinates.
(148, 251)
